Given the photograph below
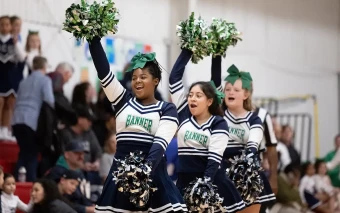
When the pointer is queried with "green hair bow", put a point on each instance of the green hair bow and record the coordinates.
(139, 60)
(30, 32)
(235, 74)
(220, 95)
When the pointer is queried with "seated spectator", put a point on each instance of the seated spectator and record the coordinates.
(69, 182)
(288, 199)
(83, 95)
(308, 193)
(73, 159)
(334, 172)
(9, 201)
(82, 132)
(323, 184)
(288, 139)
(282, 150)
(47, 199)
(108, 156)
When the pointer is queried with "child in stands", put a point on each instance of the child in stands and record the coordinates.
(9, 201)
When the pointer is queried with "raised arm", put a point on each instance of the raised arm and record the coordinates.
(114, 91)
(178, 95)
(217, 144)
(216, 72)
(166, 130)
(255, 133)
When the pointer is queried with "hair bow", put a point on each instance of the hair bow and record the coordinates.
(235, 74)
(140, 59)
(30, 32)
(220, 95)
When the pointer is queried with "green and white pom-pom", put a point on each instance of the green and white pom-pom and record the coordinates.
(193, 36)
(222, 35)
(88, 21)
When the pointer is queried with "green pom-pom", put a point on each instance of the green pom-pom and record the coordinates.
(193, 36)
(222, 35)
(87, 21)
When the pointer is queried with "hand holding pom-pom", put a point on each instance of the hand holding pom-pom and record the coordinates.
(88, 21)
(201, 196)
(193, 36)
(222, 35)
(244, 172)
(133, 178)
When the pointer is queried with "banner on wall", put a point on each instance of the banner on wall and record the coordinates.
(119, 52)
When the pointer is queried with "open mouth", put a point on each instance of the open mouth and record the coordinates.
(231, 98)
(139, 88)
(193, 105)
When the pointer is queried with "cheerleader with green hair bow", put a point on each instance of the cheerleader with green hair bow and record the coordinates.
(246, 133)
(138, 180)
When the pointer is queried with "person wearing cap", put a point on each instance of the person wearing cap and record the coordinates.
(69, 182)
(33, 92)
(82, 131)
(73, 159)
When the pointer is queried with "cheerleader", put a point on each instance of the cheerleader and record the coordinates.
(245, 127)
(143, 124)
(10, 54)
(202, 135)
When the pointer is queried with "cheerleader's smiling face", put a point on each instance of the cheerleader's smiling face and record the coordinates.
(143, 84)
(235, 95)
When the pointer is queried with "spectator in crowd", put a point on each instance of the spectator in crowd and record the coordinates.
(282, 150)
(334, 173)
(82, 131)
(47, 199)
(287, 138)
(106, 119)
(33, 91)
(316, 201)
(32, 48)
(323, 183)
(69, 182)
(9, 201)
(73, 159)
(63, 108)
(288, 199)
(83, 95)
(10, 54)
(108, 156)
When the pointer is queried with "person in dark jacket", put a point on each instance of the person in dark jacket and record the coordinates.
(47, 199)
(64, 111)
(73, 159)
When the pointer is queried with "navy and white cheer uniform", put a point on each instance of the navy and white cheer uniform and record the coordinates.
(201, 147)
(9, 56)
(146, 128)
(244, 133)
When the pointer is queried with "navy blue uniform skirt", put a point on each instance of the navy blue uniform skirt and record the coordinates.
(167, 198)
(232, 201)
(10, 78)
(266, 196)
